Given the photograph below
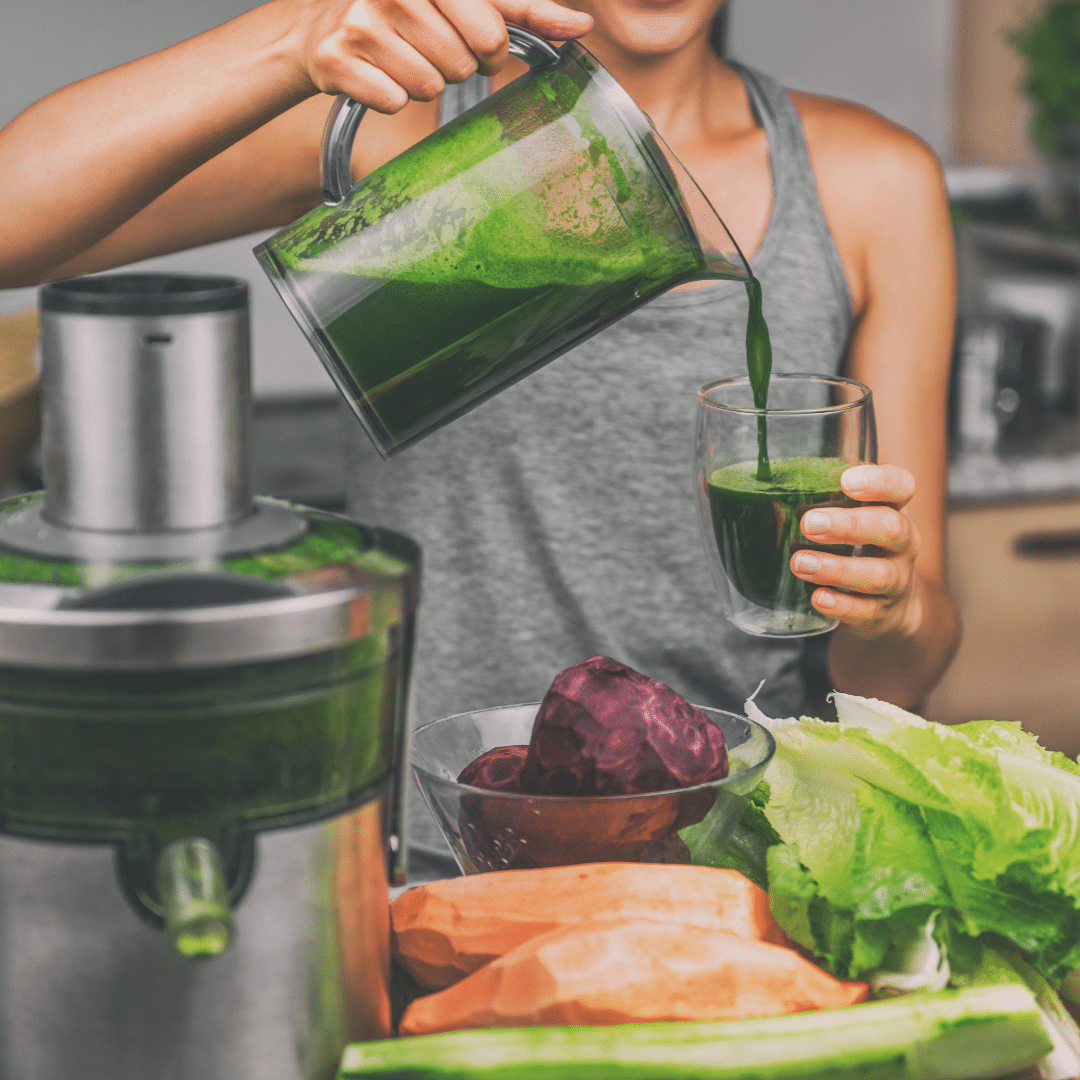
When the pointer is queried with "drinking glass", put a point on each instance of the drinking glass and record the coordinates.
(758, 472)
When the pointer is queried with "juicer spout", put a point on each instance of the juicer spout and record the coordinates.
(191, 888)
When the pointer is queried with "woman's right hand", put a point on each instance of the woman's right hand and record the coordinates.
(384, 52)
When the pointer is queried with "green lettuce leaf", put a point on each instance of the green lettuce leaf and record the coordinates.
(855, 869)
(1009, 735)
(885, 817)
(1014, 818)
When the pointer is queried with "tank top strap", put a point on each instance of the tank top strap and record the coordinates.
(797, 213)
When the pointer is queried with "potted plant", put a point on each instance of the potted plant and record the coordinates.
(1050, 43)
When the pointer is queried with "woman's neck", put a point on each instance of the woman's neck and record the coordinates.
(701, 107)
(689, 93)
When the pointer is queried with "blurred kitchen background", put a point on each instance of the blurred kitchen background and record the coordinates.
(942, 68)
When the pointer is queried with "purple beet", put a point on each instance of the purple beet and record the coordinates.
(498, 769)
(605, 729)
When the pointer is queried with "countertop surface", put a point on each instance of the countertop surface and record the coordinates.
(298, 452)
(990, 477)
(1043, 465)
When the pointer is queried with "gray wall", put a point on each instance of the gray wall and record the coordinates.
(894, 55)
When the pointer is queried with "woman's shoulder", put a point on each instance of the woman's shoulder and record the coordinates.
(846, 136)
(871, 175)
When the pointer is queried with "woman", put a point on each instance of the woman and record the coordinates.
(558, 519)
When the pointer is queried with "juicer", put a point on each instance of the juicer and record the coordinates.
(202, 719)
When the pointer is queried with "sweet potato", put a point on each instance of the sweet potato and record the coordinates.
(631, 971)
(443, 931)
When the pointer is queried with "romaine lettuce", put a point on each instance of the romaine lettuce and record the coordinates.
(887, 821)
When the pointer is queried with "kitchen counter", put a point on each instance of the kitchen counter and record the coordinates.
(978, 479)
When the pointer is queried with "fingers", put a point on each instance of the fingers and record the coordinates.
(362, 81)
(854, 574)
(546, 18)
(875, 591)
(870, 593)
(384, 52)
(481, 29)
(890, 484)
(861, 613)
(879, 526)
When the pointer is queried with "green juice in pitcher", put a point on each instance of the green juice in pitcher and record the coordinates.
(757, 524)
(474, 283)
(466, 338)
(497, 243)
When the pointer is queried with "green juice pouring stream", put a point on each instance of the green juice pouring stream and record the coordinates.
(759, 368)
(757, 508)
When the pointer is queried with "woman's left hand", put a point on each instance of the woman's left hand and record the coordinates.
(875, 593)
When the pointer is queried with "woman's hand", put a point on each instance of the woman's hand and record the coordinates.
(97, 179)
(384, 52)
(875, 593)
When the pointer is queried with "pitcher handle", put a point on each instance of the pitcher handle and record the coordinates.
(346, 114)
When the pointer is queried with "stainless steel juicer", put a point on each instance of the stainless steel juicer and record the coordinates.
(202, 719)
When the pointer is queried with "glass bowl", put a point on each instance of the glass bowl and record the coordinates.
(489, 830)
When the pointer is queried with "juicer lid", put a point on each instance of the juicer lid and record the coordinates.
(144, 294)
(193, 615)
(147, 550)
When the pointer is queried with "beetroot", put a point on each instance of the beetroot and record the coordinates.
(497, 769)
(602, 729)
(605, 729)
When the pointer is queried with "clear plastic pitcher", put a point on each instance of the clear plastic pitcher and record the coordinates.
(504, 239)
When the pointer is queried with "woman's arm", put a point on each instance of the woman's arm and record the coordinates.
(217, 136)
(885, 199)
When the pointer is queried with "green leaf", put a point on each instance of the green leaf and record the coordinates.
(891, 815)
(1050, 42)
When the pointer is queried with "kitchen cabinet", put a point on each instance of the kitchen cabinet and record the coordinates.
(1015, 572)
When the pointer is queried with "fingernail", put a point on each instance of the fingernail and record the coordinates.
(824, 600)
(856, 479)
(814, 521)
(806, 563)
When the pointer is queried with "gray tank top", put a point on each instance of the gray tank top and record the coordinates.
(559, 519)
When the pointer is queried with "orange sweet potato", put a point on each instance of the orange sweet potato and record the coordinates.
(632, 971)
(446, 930)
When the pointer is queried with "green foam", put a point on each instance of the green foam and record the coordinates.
(789, 476)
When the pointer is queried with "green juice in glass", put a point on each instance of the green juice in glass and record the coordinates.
(757, 524)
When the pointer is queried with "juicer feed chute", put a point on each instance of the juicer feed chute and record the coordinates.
(197, 686)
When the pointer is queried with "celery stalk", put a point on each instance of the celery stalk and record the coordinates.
(1007, 965)
(967, 1034)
